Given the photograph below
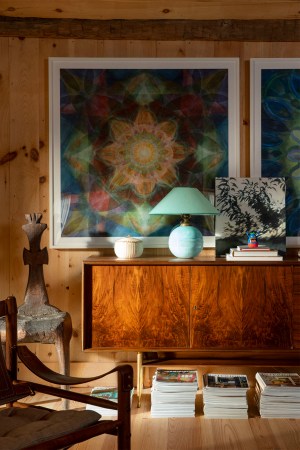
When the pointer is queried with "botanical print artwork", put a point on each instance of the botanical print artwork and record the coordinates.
(280, 136)
(250, 204)
(128, 136)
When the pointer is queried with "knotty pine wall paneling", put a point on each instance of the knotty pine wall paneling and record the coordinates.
(129, 49)
(24, 157)
(149, 9)
(5, 155)
(24, 139)
(85, 49)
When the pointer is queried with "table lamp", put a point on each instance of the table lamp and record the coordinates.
(185, 240)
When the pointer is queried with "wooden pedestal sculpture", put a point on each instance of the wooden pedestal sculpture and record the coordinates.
(38, 321)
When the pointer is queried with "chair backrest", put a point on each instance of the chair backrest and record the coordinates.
(8, 365)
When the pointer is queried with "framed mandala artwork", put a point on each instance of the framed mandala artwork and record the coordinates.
(275, 137)
(124, 132)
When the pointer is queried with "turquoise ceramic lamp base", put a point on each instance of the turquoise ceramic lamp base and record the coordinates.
(185, 241)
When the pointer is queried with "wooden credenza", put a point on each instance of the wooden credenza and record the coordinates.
(225, 312)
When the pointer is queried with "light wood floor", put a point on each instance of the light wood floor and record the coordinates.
(199, 433)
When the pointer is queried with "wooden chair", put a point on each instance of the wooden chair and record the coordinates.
(34, 427)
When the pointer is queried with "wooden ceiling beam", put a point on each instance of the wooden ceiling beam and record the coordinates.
(170, 30)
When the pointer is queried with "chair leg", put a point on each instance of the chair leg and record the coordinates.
(3, 349)
(62, 345)
(63, 354)
(62, 341)
(124, 401)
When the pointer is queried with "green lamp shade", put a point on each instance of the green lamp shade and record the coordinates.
(184, 200)
(185, 241)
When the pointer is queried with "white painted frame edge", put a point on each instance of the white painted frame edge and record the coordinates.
(57, 63)
(256, 66)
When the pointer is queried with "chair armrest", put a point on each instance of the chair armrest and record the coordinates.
(35, 366)
(74, 396)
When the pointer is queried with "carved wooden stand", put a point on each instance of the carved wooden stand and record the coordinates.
(38, 321)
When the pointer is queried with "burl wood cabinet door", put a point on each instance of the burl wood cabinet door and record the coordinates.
(241, 307)
(136, 307)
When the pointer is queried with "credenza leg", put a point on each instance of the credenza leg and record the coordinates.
(139, 365)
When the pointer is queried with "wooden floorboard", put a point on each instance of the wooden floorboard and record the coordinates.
(198, 433)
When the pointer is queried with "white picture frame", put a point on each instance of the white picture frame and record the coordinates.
(63, 67)
(263, 119)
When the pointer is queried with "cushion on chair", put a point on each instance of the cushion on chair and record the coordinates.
(20, 427)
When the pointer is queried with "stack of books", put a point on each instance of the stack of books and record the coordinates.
(173, 393)
(107, 393)
(225, 396)
(260, 253)
(278, 395)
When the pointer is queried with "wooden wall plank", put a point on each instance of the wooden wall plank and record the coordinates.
(171, 49)
(129, 49)
(151, 9)
(6, 155)
(199, 49)
(24, 139)
(85, 48)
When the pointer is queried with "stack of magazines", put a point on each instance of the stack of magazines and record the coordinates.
(260, 253)
(173, 393)
(278, 395)
(225, 396)
(107, 393)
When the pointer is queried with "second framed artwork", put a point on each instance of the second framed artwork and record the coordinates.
(124, 132)
(275, 131)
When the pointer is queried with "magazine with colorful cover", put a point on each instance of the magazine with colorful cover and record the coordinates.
(218, 382)
(175, 380)
(176, 376)
(107, 393)
(173, 393)
(275, 402)
(225, 395)
(279, 383)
